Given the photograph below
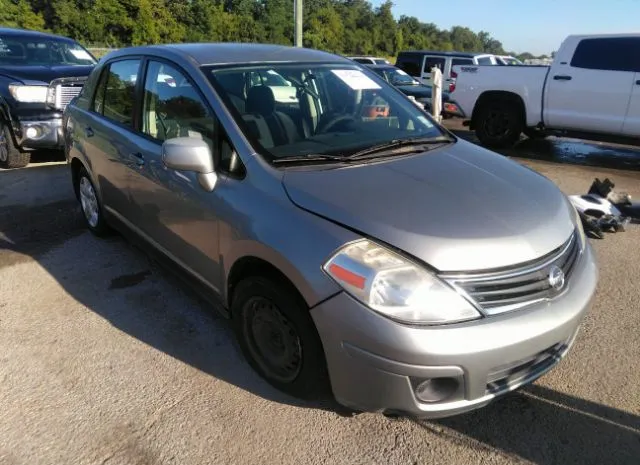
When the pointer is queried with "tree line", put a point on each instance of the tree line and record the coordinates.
(338, 26)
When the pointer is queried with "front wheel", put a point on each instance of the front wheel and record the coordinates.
(499, 124)
(278, 337)
(10, 155)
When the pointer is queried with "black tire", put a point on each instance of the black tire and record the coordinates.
(10, 155)
(535, 134)
(97, 226)
(499, 123)
(301, 371)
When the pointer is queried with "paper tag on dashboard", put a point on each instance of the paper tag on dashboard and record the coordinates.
(81, 55)
(356, 79)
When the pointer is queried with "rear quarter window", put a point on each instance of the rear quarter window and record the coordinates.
(410, 64)
(608, 54)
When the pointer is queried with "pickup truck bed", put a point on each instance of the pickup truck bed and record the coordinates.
(591, 91)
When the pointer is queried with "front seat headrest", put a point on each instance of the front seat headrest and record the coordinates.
(261, 100)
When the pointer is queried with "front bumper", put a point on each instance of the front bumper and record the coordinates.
(39, 134)
(376, 364)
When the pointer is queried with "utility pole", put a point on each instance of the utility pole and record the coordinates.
(297, 13)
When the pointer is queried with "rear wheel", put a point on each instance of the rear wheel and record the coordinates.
(499, 123)
(10, 155)
(90, 204)
(278, 337)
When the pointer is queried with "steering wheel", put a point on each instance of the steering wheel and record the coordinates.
(335, 121)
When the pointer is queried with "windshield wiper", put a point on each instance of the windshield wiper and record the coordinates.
(309, 157)
(393, 145)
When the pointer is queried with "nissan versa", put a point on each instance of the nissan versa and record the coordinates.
(355, 244)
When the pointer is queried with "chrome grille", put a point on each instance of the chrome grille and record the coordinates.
(63, 90)
(504, 290)
(66, 93)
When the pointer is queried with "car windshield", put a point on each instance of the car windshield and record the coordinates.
(29, 50)
(399, 77)
(324, 109)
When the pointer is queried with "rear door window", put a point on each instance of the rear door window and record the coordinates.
(115, 94)
(608, 54)
(410, 64)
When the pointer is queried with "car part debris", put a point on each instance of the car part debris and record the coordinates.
(602, 209)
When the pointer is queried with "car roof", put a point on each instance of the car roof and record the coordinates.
(14, 32)
(447, 54)
(229, 53)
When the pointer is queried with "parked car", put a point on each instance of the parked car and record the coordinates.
(412, 88)
(39, 74)
(590, 91)
(355, 244)
(508, 60)
(418, 64)
(367, 60)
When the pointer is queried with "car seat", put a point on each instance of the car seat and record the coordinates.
(261, 107)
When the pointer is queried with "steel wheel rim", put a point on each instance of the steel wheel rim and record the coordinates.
(89, 202)
(497, 124)
(272, 340)
(4, 146)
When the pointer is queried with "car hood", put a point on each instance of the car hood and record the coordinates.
(43, 74)
(457, 208)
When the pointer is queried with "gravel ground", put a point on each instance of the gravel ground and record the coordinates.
(105, 359)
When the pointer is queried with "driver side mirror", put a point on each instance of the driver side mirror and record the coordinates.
(191, 154)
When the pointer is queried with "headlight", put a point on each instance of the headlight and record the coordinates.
(28, 94)
(577, 221)
(393, 286)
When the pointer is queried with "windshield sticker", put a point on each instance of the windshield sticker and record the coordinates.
(399, 71)
(356, 79)
(81, 55)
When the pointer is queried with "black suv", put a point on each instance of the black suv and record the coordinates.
(39, 75)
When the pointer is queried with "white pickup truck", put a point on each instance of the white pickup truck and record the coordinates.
(590, 91)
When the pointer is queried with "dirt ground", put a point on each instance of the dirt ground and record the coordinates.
(105, 359)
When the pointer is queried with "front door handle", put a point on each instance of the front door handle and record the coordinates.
(137, 157)
(638, 82)
(562, 78)
(88, 132)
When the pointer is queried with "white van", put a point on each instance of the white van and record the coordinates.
(419, 63)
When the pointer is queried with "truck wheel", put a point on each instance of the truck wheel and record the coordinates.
(10, 155)
(499, 124)
(278, 337)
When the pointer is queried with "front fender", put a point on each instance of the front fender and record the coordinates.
(290, 239)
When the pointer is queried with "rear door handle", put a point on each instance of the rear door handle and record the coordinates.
(137, 157)
(562, 78)
(88, 131)
(638, 82)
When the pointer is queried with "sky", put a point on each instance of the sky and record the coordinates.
(536, 26)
